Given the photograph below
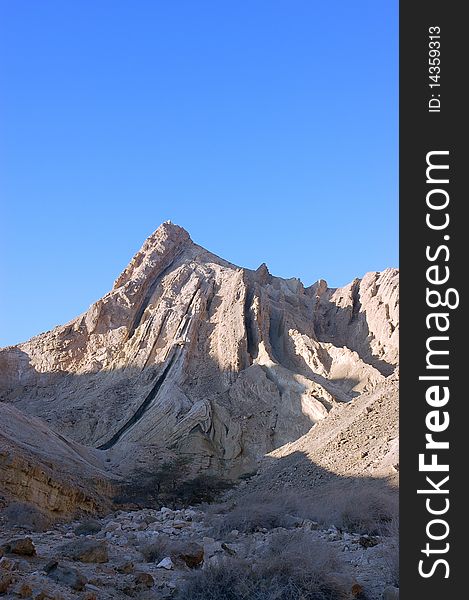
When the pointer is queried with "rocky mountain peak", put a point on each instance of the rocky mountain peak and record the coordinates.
(161, 245)
(189, 354)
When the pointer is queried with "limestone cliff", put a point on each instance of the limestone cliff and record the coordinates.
(42, 467)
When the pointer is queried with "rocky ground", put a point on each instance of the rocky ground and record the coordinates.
(148, 553)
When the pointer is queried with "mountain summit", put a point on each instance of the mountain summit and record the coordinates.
(191, 355)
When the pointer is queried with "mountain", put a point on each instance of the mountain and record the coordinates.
(190, 355)
(192, 371)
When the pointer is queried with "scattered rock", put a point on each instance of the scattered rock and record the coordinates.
(112, 526)
(88, 527)
(66, 575)
(5, 581)
(25, 591)
(125, 567)
(46, 595)
(8, 564)
(166, 563)
(368, 541)
(357, 590)
(208, 540)
(310, 525)
(190, 553)
(87, 551)
(20, 546)
(143, 580)
(228, 550)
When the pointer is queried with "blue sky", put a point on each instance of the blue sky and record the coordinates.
(268, 129)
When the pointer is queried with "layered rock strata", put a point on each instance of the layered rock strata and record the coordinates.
(189, 354)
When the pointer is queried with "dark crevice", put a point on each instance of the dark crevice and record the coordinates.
(276, 336)
(211, 299)
(251, 334)
(356, 304)
(143, 407)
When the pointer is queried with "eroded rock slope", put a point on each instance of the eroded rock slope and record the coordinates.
(189, 354)
(41, 467)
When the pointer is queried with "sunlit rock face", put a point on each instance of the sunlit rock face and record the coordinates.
(189, 354)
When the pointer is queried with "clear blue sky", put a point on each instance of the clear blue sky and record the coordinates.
(266, 128)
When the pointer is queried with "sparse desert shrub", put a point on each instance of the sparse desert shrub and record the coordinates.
(27, 516)
(362, 506)
(219, 582)
(148, 488)
(304, 570)
(171, 485)
(256, 511)
(155, 550)
(392, 554)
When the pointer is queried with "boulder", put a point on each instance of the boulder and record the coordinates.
(228, 550)
(21, 546)
(166, 563)
(25, 591)
(66, 575)
(5, 581)
(86, 551)
(8, 564)
(190, 553)
(143, 580)
(126, 567)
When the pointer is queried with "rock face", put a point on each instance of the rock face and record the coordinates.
(363, 316)
(45, 469)
(193, 355)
